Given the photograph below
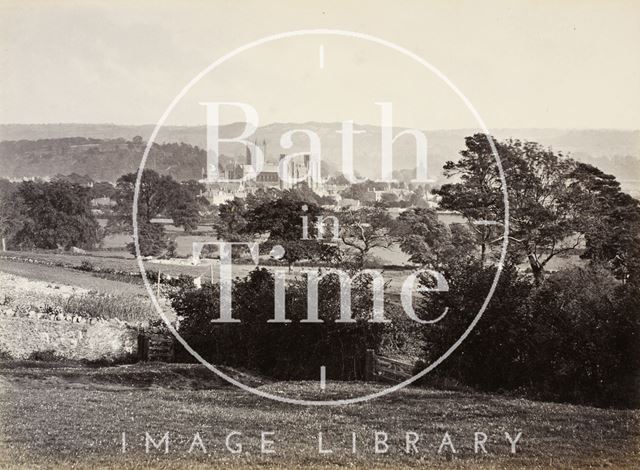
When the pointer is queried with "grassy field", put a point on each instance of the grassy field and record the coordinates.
(57, 415)
(69, 277)
(87, 280)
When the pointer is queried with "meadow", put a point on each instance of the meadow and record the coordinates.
(59, 415)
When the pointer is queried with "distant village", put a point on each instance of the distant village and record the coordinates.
(335, 192)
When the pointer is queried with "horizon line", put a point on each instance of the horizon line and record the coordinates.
(497, 128)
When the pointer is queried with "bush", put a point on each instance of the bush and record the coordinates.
(588, 325)
(48, 355)
(286, 351)
(86, 266)
(151, 239)
(574, 338)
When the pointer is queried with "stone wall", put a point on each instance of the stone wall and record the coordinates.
(71, 338)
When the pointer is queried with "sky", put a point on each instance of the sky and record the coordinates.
(524, 64)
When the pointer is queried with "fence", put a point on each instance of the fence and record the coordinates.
(155, 347)
(386, 369)
(160, 347)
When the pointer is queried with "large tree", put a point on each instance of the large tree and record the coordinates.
(610, 221)
(282, 220)
(49, 215)
(156, 193)
(543, 212)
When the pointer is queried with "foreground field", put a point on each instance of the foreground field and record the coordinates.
(64, 415)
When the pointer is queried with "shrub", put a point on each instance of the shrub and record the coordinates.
(86, 266)
(288, 351)
(48, 355)
(588, 327)
(574, 338)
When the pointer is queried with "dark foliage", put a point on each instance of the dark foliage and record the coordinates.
(49, 215)
(574, 338)
(151, 239)
(288, 351)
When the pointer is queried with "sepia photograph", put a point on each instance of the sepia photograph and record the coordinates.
(319, 235)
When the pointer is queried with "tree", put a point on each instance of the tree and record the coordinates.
(428, 241)
(389, 200)
(156, 193)
(231, 219)
(573, 338)
(102, 189)
(183, 209)
(75, 178)
(542, 211)
(151, 240)
(365, 229)
(49, 215)
(282, 220)
(610, 221)
(418, 197)
(12, 211)
(359, 191)
(303, 192)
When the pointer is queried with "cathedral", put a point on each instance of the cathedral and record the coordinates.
(296, 170)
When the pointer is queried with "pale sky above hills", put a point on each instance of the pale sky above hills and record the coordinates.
(570, 64)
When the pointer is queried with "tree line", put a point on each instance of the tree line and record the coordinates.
(58, 213)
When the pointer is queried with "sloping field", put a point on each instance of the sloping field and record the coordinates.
(17, 262)
(68, 277)
(65, 416)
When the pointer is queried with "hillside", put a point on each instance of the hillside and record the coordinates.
(614, 151)
(102, 160)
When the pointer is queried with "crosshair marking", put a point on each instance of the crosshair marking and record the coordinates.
(321, 56)
(165, 116)
(323, 377)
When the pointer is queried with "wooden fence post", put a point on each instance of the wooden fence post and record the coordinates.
(369, 365)
(143, 347)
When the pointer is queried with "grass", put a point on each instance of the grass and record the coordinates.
(73, 416)
(70, 277)
(125, 307)
(25, 287)
(106, 283)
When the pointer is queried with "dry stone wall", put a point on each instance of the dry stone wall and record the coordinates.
(22, 335)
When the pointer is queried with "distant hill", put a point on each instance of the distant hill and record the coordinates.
(614, 151)
(99, 159)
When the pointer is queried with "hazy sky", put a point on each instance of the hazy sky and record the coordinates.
(568, 64)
